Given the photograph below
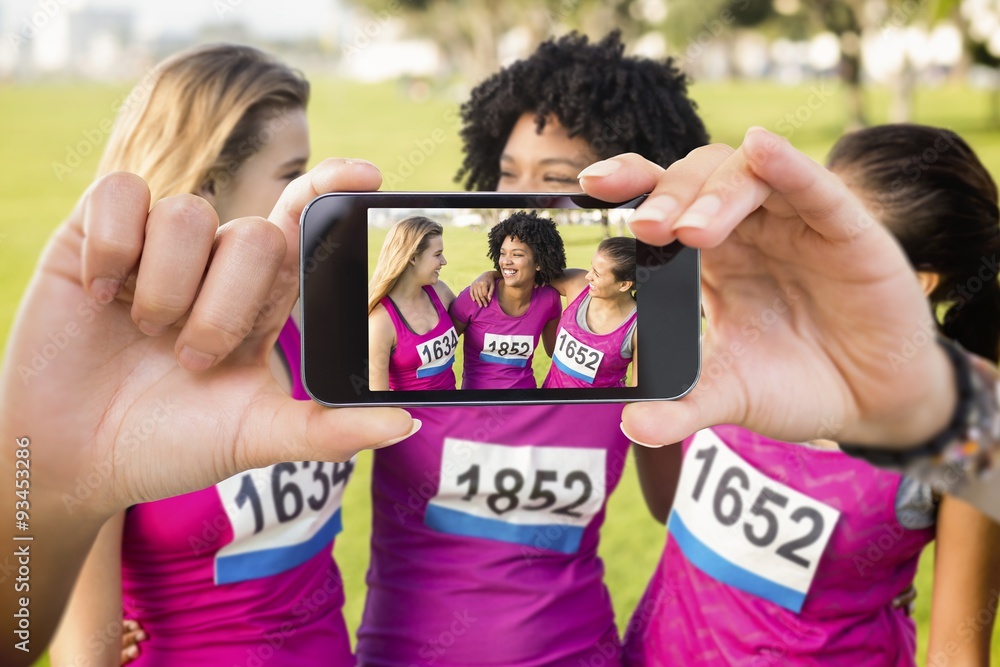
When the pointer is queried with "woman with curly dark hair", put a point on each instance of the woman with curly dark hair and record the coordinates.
(486, 523)
(533, 126)
(500, 339)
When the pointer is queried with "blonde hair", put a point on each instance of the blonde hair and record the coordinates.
(407, 238)
(199, 115)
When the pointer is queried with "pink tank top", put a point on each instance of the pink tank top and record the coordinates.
(242, 573)
(586, 359)
(484, 539)
(422, 361)
(499, 348)
(778, 554)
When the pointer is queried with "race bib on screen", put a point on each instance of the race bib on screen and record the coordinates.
(576, 359)
(281, 517)
(507, 350)
(537, 496)
(745, 529)
(438, 354)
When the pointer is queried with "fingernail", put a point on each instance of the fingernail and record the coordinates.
(194, 360)
(105, 289)
(636, 440)
(656, 208)
(140, 636)
(416, 427)
(151, 329)
(599, 169)
(132, 651)
(699, 214)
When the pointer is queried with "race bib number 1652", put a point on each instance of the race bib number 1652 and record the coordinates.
(745, 529)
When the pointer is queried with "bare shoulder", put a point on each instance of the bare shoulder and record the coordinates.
(444, 293)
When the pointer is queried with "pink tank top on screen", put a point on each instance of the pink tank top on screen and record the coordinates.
(499, 348)
(484, 539)
(422, 361)
(778, 554)
(237, 574)
(586, 359)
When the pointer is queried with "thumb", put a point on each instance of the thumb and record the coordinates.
(659, 423)
(282, 428)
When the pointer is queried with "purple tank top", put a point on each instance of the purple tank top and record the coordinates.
(238, 575)
(484, 539)
(586, 359)
(499, 348)
(778, 554)
(422, 361)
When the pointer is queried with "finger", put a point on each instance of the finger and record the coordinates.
(658, 423)
(285, 429)
(620, 178)
(677, 188)
(330, 175)
(247, 255)
(180, 233)
(129, 654)
(489, 292)
(114, 222)
(765, 165)
(132, 637)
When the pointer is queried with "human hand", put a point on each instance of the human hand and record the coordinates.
(809, 301)
(132, 634)
(481, 289)
(162, 323)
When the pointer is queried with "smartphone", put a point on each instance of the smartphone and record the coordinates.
(447, 350)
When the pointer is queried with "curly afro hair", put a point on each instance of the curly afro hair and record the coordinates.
(617, 104)
(539, 234)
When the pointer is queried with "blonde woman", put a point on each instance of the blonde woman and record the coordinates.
(208, 574)
(411, 339)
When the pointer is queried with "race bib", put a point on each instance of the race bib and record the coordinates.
(745, 529)
(438, 354)
(537, 496)
(281, 516)
(508, 350)
(576, 359)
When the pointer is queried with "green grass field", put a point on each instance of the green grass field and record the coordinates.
(54, 133)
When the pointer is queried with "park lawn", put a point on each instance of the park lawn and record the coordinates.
(54, 133)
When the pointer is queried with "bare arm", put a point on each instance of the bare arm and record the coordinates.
(966, 585)
(444, 293)
(89, 632)
(381, 339)
(659, 470)
(549, 336)
(571, 283)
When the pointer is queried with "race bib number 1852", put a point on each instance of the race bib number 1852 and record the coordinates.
(509, 350)
(524, 495)
(745, 529)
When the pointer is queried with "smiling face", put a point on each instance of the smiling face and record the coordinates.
(517, 263)
(542, 162)
(426, 266)
(601, 278)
